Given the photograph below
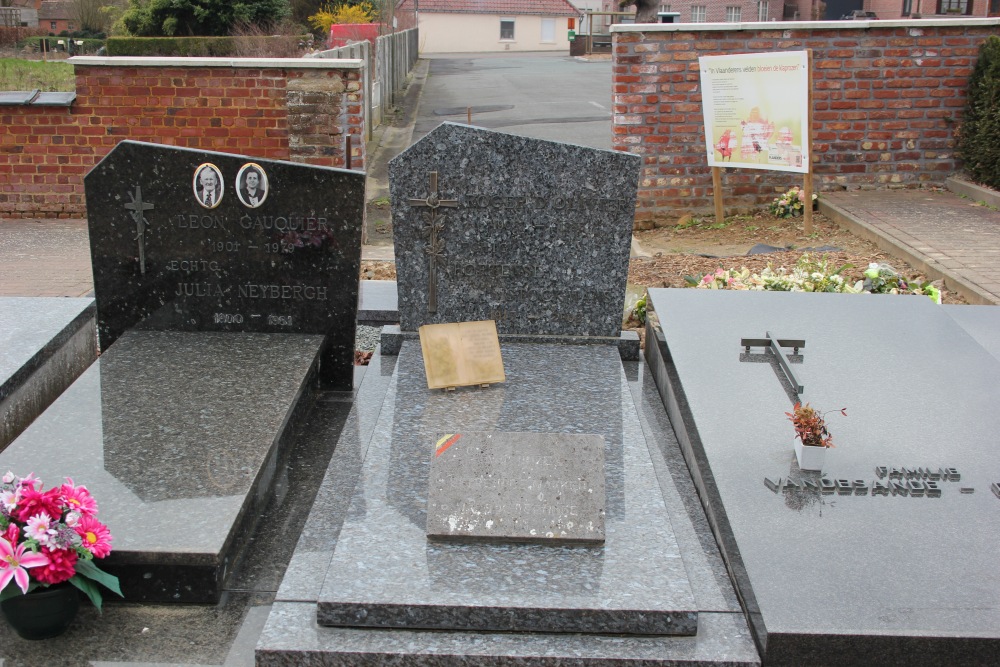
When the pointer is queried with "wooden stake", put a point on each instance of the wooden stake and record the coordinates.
(807, 138)
(468, 112)
(717, 194)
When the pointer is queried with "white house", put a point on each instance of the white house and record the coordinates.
(467, 26)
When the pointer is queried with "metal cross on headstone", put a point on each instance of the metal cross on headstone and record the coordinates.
(138, 207)
(435, 246)
(775, 345)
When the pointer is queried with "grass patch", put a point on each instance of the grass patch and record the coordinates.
(17, 74)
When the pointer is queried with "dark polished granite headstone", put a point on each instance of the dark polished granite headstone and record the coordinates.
(284, 259)
(386, 573)
(517, 487)
(889, 556)
(45, 343)
(177, 435)
(533, 234)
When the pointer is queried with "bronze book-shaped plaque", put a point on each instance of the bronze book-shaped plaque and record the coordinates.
(461, 354)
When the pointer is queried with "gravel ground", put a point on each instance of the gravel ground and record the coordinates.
(366, 338)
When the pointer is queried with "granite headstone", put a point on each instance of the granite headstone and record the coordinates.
(517, 487)
(533, 234)
(198, 241)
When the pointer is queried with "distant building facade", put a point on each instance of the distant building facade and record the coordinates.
(466, 26)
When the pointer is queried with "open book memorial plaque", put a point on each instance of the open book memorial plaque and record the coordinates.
(461, 354)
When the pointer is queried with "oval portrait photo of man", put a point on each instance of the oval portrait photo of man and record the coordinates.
(208, 186)
(251, 185)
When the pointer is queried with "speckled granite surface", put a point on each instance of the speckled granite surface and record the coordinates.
(292, 635)
(177, 436)
(533, 234)
(881, 576)
(385, 572)
(30, 329)
(45, 343)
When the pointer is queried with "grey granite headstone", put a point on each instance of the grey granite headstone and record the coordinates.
(533, 234)
(517, 487)
(170, 253)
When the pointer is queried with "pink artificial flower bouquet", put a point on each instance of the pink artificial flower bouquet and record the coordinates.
(48, 537)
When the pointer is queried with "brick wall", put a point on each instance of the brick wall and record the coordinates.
(888, 98)
(297, 109)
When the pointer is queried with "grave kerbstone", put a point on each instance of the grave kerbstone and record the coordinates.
(45, 343)
(517, 487)
(170, 253)
(888, 555)
(532, 234)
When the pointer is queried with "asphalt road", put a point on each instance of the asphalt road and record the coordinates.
(540, 95)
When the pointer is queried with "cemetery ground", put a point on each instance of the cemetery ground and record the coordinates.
(666, 256)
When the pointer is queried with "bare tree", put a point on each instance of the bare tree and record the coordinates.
(645, 10)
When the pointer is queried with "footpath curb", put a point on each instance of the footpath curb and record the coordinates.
(926, 265)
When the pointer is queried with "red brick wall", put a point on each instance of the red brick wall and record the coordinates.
(298, 113)
(888, 99)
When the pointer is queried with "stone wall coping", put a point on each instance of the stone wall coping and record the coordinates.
(799, 25)
(263, 63)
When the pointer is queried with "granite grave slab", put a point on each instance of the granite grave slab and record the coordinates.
(532, 234)
(45, 343)
(517, 487)
(385, 572)
(192, 240)
(886, 557)
(177, 435)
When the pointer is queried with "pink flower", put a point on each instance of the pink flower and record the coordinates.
(33, 502)
(14, 563)
(60, 566)
(95, 535)
(78, 498)
(11, 534)
(40, 529)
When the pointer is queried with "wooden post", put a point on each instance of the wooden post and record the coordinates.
(717, 194)
(468, 114)
(807, 138)
(347, 156)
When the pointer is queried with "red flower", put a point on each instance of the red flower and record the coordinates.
(62, 566)
(32, 502)
(11, 534)
(95, 536)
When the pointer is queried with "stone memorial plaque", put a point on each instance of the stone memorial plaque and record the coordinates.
(532, 234)
(517, 487)
(198, 241)
(461, 354)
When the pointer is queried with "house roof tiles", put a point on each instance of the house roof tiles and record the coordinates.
(502, 7)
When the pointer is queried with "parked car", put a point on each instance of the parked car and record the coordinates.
(858, 15)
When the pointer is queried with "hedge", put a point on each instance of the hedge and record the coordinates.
(979, 136)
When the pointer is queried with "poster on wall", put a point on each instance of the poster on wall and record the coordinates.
(756, 108)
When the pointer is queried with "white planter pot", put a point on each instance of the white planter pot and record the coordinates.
(809, 458)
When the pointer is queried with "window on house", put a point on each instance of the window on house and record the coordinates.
(69, 26)
(506, 28)
(548, 31)
(762, 10)
(907, 8)
(955, 7)
(664, 8)
(733, 14)
(698, 13)
(52, 25)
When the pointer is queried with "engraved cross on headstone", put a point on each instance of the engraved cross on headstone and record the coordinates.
(138, 207)
(435, 245)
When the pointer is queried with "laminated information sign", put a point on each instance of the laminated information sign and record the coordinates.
(756, 108)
